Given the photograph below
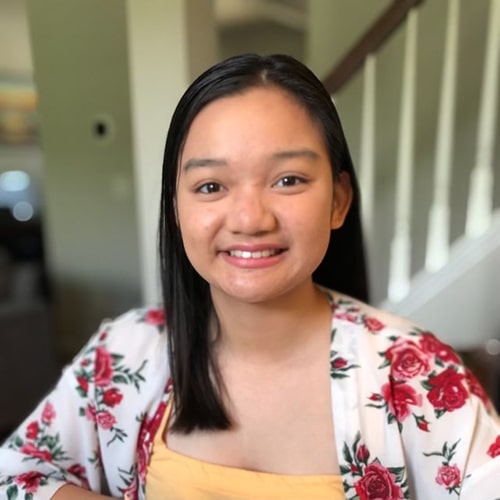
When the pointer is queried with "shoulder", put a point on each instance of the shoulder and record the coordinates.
(404, 354)
(372, 325)
(399, 350)
(140, 329)
(127, 349)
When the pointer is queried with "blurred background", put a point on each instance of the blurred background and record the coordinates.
(87, 89)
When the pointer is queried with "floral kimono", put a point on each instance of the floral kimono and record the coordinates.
(410, 420)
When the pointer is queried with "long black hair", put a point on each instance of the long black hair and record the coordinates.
(187, 301)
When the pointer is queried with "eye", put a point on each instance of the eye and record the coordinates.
(209, 188)
(289, 181)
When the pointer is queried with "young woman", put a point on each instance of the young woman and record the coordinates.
(264, 383)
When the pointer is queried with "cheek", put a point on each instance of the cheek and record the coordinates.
(196, 224)
(315, 217)
(311, 230)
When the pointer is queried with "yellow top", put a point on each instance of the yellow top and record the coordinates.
(173, 476)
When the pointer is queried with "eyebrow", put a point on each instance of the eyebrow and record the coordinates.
(280, 155)
(203, 162)
(296, 153)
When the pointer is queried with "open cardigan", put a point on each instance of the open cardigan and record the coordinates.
(410, 420)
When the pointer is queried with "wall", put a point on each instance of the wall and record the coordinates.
(81, 73)
(261, 38)
(334, 26)
(15, 53)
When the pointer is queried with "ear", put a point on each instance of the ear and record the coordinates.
(342, 198)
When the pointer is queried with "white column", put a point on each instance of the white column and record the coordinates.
(168, 43)
(367, 155)
(439, 216)
(399, 270)
(480, 202)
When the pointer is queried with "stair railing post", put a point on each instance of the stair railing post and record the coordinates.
(480, 203)
(400, 264)
(367, 147)
(439, 216)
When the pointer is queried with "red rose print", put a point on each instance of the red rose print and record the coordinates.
(103, 336)
(448, 392)
(105, 420)
(32, 430)
(374, 325)
(90, 413)
(423, 424)
(430, 344)
(155, 317)
(354, 469)
(147, 431)
(476, 388)
(448, 476)
(375, 397)
(103, 367)
(112, 397)
(31, 450)
(378, 483)
(339, 363)
(29, 481)
(399, 396)
(150, 425)
(407, 360)
(80, 472)
(131, 491)
(48, 413)
(494, 449)
(77, 470)
(142, 462)
(83, 383)
(362, 454)
(346, 316)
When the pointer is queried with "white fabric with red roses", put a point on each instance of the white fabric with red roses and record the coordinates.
(410, 420)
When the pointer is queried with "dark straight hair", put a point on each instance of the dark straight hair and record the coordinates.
(188, 306)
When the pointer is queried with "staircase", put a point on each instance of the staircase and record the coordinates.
(426, 168)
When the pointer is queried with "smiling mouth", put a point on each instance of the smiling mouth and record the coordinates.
(262, 254)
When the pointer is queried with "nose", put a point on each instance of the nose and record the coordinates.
(250, 212)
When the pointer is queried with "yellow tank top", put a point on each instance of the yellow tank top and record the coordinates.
(173, 476)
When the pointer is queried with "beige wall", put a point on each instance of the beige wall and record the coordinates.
(81, 70)
(15, 53)
(334, 26)
(261, 38)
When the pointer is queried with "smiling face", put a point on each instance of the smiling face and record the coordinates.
(256, 200)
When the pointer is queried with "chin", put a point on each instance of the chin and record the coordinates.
(254, 294)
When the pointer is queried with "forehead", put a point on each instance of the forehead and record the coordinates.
(260, 118)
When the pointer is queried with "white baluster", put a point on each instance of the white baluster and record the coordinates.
(439, 216)
(367, 156)
(479, 210)
(399, 271)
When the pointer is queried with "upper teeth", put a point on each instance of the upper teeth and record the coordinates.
(252, 255)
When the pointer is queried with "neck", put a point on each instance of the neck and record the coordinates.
(276, 330)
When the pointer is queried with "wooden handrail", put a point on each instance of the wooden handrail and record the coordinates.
(382, 29)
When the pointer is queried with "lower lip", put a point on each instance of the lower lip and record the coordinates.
(253, 263)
